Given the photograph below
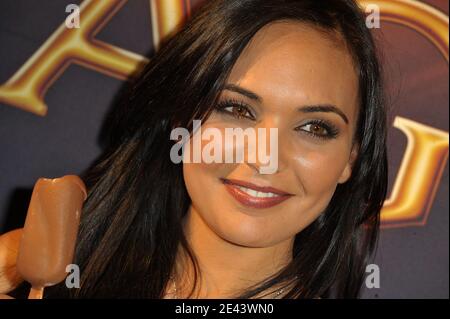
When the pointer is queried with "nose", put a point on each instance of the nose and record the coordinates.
(254, 166)
(263, 156)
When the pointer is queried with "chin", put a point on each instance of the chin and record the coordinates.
(247, 234)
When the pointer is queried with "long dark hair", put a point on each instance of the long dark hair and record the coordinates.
(131, 227)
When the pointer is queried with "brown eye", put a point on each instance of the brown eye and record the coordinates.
(236, 109)
(240, 111)
(320, 129)
(317, 129)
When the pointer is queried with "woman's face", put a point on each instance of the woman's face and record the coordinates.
(287, 68)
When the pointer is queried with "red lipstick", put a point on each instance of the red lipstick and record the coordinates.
(255, 196)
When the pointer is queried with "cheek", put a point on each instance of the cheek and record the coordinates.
(199, 164)
(316, 174)
(200, 180)
(318, 171)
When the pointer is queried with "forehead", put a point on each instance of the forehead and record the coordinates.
(290, 63)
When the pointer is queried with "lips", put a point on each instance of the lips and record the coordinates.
(254, 196)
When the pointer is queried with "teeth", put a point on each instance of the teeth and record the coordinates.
(254, 193)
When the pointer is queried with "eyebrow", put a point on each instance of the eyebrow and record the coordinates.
(304, 109)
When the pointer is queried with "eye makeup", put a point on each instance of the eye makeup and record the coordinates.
(237, 109)
(331, 131)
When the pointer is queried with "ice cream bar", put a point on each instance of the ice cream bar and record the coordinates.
(50, 232)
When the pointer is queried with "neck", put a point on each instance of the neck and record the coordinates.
(226, 268)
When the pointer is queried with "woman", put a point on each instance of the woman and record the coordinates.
(153, 228)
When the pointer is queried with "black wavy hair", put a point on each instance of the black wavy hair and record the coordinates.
(131, 228)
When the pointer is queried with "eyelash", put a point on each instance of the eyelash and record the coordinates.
(221, 106)
(332, 130)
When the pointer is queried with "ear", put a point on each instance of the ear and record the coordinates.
(347, 172)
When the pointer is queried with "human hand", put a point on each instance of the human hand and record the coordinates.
(9, 248)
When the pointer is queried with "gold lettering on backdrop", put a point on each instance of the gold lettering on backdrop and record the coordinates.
(27, 87)
(167, 17)
(419, 16)
(427, 151)
(418, 176)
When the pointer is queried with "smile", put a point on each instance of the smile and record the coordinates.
(254, 196)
